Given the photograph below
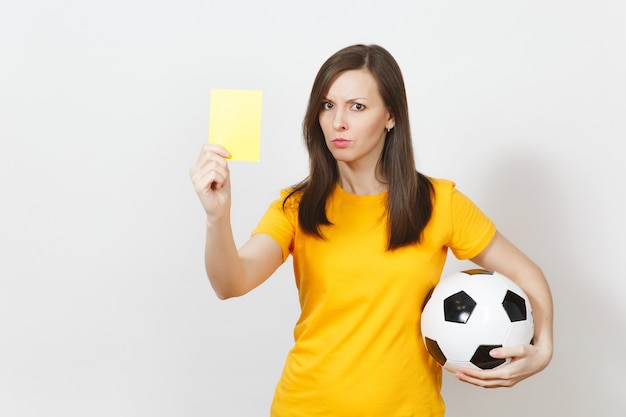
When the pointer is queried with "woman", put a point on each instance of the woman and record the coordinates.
(369, 237)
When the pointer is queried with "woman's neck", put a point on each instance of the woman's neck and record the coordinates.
(361, 183)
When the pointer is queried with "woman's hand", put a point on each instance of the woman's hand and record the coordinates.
(211, 180)
(526, 360)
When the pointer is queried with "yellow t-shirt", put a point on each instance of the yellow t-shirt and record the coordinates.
(358, 349)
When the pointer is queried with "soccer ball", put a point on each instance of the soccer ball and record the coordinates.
(471, 312)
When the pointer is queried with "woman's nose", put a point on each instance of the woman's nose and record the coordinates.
(339, 121)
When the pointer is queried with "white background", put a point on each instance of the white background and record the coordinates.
(104, 306)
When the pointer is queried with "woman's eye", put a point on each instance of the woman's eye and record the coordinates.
(327, 106)
(358, 106)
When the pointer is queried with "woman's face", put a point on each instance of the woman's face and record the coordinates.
(353, 118)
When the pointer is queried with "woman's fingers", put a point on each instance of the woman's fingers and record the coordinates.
(210, 176)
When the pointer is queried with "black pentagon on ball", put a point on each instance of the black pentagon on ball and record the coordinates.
(477, 272)
(483, 360)
(435, 351)
(458, 307)
(515, 306)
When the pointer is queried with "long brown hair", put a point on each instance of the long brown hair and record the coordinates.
(410, 193)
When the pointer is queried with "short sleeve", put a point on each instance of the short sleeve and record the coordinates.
(472, 230)
(280, 222)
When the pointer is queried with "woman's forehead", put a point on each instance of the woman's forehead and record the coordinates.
(354, 84)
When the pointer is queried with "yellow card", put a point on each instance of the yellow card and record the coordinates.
(235, 122)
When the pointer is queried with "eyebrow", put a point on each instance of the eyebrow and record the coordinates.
(349, 100)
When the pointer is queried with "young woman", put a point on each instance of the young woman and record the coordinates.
(369, 236)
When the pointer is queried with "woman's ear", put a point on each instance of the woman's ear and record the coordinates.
(390, 123)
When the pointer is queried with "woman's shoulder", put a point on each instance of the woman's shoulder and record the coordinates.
(290, 197)
(442, 185)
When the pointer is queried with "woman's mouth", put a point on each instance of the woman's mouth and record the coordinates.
(341, 142)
